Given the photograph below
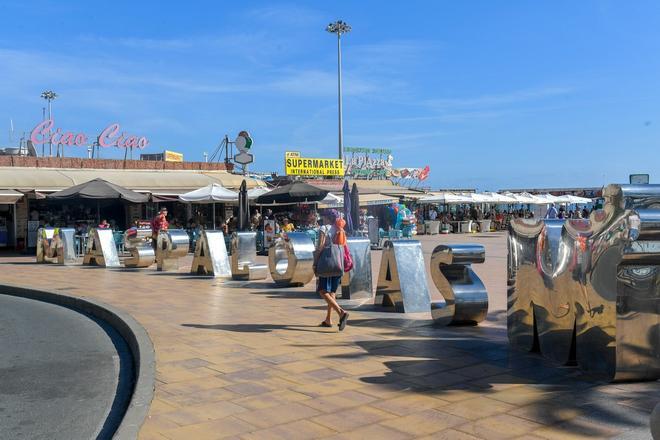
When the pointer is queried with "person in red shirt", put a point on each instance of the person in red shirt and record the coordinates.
(159, 223)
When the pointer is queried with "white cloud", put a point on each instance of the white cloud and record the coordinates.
(497, 100)
(280, 15)
(398, 55)
(491, 106)
(319, 83)
(258, 47)
(141, 43)
(110, 83)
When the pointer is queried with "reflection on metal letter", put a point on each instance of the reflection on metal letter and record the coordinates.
(466, 299)
(243, 257)
(140, 248)
(56, 245)
(211, 255)
(591, 287)
(357, 283)
(402, 277)
(291, 260)
(171, 245)
(101, 249)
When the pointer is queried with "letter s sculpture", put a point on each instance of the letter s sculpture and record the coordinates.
(466, 298)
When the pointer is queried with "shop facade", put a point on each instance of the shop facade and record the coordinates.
(25, 183)
(8, 225)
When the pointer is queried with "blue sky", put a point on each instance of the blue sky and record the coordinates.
(489, 94)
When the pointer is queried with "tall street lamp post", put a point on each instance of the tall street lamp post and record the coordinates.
(49, 96)
(339, 27)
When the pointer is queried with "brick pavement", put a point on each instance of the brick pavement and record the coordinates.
(246, 360)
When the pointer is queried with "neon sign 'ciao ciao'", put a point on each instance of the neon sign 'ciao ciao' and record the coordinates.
(110, 137)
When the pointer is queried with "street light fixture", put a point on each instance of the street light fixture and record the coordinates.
(339, 27)
(49, 96)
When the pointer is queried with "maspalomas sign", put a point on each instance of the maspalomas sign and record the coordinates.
(112, 136)
(295, 165)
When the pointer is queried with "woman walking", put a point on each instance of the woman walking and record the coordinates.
(332, 232)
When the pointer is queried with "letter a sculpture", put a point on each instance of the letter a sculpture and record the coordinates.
(402, 277)
(211, 255)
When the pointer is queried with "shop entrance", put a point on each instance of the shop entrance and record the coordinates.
(7, 226)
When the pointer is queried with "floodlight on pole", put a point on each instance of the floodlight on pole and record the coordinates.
(339, 27)
(49, 96)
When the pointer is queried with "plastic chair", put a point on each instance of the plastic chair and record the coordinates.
(312, 234)
(80, 245)
(396, 233)
(119, 241)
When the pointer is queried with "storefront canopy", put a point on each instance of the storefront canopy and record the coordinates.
(376, 199)
(210, 194)
(335, 201)
(165, 182)
(9, 196)
(99, 189)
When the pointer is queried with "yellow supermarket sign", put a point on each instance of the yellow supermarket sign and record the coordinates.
(172, 156)
(294, 165)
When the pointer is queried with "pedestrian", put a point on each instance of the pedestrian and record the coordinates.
(287, 226)
(256, 220)
(159, 223)
(474, 215)
(331, 232)
(552, 212)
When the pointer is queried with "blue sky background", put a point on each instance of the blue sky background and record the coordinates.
(489, 94)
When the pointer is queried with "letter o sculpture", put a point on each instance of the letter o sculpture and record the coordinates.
(291, 260)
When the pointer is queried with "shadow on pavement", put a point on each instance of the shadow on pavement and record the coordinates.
(442, 361)
(257, 328)
(288, 294)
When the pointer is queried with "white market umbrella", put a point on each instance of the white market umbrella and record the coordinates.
(548, 199)
(210, 194)
(491, 197)
(447, 198)
(503, 198)
(332, 201)
(481, 198)
(525, 198)
(256, 192)
(573, 200)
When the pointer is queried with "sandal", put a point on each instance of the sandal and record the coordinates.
(325, 324)
(342, 321)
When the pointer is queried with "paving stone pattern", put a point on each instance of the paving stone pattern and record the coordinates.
(247, 360)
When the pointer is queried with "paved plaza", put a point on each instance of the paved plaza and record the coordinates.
(247, 360)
